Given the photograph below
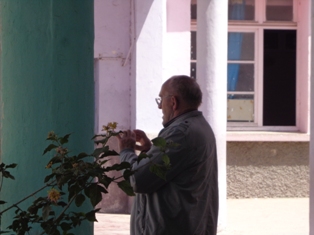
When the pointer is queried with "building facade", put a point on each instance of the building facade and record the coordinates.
(252, 59)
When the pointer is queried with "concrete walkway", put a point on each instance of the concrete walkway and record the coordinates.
(280, 216)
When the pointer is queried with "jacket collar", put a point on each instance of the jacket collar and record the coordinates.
(183, 116)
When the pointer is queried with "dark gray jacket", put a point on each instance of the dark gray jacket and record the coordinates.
(187, 202)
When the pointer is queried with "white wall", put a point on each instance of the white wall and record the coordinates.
(147, 59)
(177, 39)
(138, 45)
(162, 50)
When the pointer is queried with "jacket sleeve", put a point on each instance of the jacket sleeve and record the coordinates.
(128, 155)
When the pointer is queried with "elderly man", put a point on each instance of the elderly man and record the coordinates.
(186, 203)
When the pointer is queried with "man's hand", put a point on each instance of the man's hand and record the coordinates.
(127, 140)
(143, 140)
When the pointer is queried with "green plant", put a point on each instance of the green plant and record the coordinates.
(76, 179)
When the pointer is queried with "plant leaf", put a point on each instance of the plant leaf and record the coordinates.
(33, 209)
(166, 159)
(82, 155)
(48, 177)
(119, 167)
(102, 135)
(95, 198)
(46, 211)
(49, 148)
(159, 142)
(98, 151)
(90, 216)
(66, 226)
(105, 180)
(64, 139)
(94, 193)
(7, 174)
(127, 174)
(79, 200)
(72, 191)
(109, 153)
(158, 170)
(13, 165)
(171, 144)
(102, 141)
(142, 156)
(61, 203)
(126, 187)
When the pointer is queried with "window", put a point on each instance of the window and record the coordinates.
(261, 66)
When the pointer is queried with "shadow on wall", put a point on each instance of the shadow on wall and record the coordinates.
(175, 10)
(141, 10)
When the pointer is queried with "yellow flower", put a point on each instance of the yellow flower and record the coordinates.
(49, 165)
(54, 195)
(112, 125)
(105, 128)
(51, 134)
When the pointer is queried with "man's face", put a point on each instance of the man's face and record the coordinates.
(165, 104)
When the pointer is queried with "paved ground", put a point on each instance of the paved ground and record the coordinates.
(284, 216)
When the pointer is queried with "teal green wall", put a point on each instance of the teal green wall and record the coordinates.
(46, 84)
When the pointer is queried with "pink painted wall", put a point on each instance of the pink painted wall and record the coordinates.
(177, 38)
(112, 80)
(138, 45)
(112, 74)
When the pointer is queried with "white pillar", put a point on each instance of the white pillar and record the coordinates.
(212, 27)
(312, 128)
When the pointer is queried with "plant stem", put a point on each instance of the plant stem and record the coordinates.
(1, 182)
(22, 200)
(67, 206)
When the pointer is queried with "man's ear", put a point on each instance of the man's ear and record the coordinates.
(175, 103)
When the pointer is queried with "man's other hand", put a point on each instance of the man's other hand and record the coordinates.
(142, 138)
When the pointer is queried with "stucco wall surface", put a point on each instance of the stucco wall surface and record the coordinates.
(111, 64)
(267, 169)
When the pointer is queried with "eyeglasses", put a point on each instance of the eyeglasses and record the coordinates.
(159, 100)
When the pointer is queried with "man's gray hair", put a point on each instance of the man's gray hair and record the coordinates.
(188, 89)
